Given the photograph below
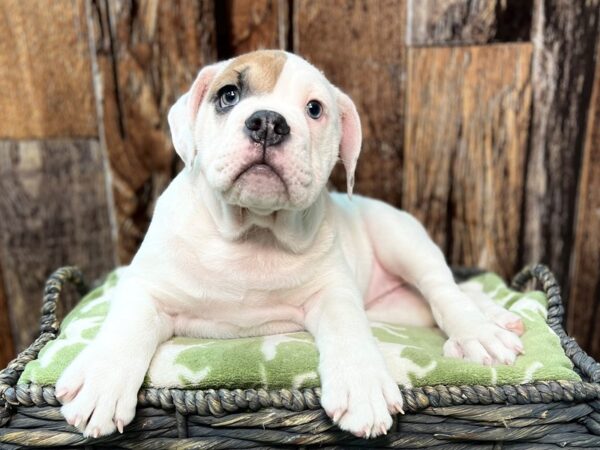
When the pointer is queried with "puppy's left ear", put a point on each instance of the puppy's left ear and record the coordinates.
(351, 139)
(182, 114)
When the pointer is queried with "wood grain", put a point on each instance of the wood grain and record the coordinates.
(247, 25)
(564, 40)
(450, 22)
(45, 75)
(360, 47)
(7, 350)
(53, 212)
(148, 54)
(467, 120)
(584, 298)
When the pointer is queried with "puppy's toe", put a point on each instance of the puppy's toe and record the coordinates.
(474, 351)
(500, 353)
(511, 341)
(393, 397)
(452, 349)
(101, 422)
(516, 326)
(369, 421)
(78, 411)
(335, 402)
(125, 410)
(70, 382)
(507, 320)
(360, 400)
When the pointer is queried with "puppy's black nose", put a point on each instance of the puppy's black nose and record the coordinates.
(267, 127)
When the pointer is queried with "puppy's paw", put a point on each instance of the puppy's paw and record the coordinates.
(486, 344)
(99, 394)
(492, 310)
(505, 319)
(361, 398)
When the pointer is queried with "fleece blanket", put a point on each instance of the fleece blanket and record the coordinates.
(413, 354)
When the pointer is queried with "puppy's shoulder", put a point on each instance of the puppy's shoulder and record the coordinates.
(175, 207)
(178, 187)
(354, 204)
(367, 207)
(340, 203)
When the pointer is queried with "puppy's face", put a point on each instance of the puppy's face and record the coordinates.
(267, 128)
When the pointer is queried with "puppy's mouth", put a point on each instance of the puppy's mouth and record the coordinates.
(260, 169)
(258, 185)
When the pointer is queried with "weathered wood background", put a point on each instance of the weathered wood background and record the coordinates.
(481, 117)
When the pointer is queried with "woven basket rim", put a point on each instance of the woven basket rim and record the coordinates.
(218, 402)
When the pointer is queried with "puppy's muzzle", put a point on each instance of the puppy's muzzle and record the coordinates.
(267, 128)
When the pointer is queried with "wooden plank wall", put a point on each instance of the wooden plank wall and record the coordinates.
(360, 46)
(584, 308)
(148, 54)
(465, 158)
(480, 117)
(55, 208)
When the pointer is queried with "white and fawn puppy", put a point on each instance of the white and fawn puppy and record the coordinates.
(247, 241)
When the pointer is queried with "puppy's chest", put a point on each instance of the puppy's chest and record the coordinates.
(245, 285)
(235, 311)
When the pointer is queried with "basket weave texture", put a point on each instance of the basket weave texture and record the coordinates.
(541, 415)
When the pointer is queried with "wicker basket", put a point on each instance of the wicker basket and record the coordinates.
(542, 415)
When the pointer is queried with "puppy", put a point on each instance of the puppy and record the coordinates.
(247, 241)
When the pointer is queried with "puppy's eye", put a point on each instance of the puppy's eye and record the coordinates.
(229, 96)
(314, 109)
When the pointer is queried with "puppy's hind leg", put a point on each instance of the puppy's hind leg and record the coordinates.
(401, 305)
(404, 249)
(99, 389)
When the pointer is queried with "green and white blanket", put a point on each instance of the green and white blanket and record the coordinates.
(414, 355)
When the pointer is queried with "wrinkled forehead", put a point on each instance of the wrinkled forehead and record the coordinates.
(267, 72)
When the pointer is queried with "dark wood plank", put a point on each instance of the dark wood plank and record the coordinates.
(7, 350)
(147, 55)
(45, 75)
(467, 120)
(246, 25)
(584, 299)
(53, 212)
(467, 22)
(563, 65)
(360, 47)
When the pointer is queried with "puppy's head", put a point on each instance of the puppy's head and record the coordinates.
(266, 129)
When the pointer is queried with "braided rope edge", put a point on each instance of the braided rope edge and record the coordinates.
(588, 367)
(223, 401)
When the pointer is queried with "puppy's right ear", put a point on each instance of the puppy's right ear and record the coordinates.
(182, 114)
(351, 140)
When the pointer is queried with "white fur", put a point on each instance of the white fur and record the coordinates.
(225, 258)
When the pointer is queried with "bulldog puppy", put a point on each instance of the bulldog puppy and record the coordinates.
(247, 241)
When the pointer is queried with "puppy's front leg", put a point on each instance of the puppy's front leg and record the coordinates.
(99, 388)
(357, 391)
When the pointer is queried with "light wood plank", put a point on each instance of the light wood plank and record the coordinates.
(53, 212)
(45, 72)
(360, 47)
(467, 120)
